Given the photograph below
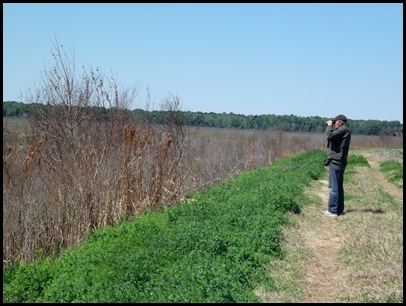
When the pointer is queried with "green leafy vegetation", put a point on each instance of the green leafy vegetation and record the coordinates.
(213, 248)
(357, 160)
(354, 161)
(393, 170)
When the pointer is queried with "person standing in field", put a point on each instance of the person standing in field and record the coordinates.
(338, 144)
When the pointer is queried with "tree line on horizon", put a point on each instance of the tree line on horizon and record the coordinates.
(287, 123)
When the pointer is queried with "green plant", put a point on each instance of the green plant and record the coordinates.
(393, 170)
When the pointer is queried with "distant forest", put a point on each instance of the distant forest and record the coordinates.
(287, 123)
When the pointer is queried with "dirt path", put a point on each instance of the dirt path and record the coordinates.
(326, 277)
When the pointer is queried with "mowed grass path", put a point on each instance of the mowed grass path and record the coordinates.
(357, 257)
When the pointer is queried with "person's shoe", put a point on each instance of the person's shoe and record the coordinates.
(328, 214)
(341, 213)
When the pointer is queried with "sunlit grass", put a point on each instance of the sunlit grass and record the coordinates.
(371, 255)
(393, 171)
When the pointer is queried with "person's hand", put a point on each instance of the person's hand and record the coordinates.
(329, 122)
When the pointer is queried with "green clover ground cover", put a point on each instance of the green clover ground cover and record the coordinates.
(215, 249)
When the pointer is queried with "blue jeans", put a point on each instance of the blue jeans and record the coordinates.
(335, 185)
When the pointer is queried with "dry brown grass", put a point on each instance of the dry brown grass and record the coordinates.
(55, 192)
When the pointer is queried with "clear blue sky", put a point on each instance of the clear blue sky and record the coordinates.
(265, 58)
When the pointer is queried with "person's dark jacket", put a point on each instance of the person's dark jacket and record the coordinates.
(338, 143)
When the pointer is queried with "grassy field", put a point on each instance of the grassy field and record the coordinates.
(62, 180)
(259, 237)
(223, 209)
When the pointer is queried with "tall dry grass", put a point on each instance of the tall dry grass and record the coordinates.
(52, 198)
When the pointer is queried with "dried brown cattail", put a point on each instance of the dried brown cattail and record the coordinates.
(144, 140)
(31, 154)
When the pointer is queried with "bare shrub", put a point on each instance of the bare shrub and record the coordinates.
(89, 165)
